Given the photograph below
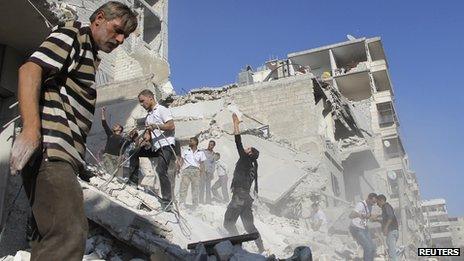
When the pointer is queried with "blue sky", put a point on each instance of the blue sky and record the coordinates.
(211, 40)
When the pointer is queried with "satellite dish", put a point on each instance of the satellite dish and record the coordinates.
(386, 143)
(350, 37)
(391, 175)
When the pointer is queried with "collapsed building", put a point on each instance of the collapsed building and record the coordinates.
(353, 90)
(324, 120)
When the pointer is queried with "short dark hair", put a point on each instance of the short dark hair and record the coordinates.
(382, 197)
(146, 93)
(372, 195)
(114, 9)
(214, 142)
(254, 153)
(120, 126)
(195, 139)
(315, 205)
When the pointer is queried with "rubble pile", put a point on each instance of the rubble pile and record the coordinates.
(282, 231)
(201, 94)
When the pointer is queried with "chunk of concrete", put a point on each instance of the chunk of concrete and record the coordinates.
(223, 250)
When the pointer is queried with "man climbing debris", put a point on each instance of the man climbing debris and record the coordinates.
(57, 101)
(192, 168)
(205, 180)
(245, 173)
(317, 218)
(129, 158)
(114, 141)
(160, 123)
(358, 227)
(221, 182)
(389, 226)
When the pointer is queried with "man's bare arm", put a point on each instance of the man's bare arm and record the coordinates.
(236, 123)
(30, 80)
(28, 141)
(168, 126)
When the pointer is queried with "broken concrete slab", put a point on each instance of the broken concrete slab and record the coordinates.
(202, 110)
(224, 250)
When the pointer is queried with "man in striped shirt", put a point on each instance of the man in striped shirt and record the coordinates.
(56, 95)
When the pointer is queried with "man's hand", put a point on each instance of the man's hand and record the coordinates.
(235, 119)
(24, 146)
(152, 127)
(374, 217)
(103, 112)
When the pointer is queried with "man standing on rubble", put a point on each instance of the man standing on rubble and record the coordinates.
(245, 173)
(222, 180)
(389, 226)
(57, 101)
(358, 227)
(205, 180)
(318, 219)
(192, 168)
(114, 142)
(160, 123)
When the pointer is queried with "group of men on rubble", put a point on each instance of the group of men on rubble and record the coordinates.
(358, 228)
(57, 97)
(123, 152)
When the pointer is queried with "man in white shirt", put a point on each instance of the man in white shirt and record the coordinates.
(221, 182)
(318, 219)
(358, 227)
(160, 123)
(205, 180)
(193, 167)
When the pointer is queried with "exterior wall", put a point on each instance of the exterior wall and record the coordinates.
(290, 116)
(457, 231)
(438, 226)
(136, 57)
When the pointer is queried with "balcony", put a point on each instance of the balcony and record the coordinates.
(386, 115)
(355, 86)
(441, 235)
(440, 224)
(393, 148)
(435, 213)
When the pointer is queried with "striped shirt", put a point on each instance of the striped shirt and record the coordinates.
(69, 60)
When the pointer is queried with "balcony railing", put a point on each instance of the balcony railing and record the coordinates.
(441, 235)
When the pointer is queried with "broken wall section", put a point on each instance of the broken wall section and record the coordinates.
(143, 53)
(285, 105)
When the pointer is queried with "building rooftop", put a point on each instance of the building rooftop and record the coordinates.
(436, 201)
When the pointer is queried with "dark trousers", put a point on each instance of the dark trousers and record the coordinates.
(164, 156)
(58, 210)
(240, 206)
(205, 188)
(221, 183)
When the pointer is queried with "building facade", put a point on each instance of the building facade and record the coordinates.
(457, 231)
(437, 222)
(360, 124)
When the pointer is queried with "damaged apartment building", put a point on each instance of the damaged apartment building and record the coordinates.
(337, 104)
(324, 120)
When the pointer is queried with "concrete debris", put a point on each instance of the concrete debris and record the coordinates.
(353, 141)
(203, 94)
(223, 250)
